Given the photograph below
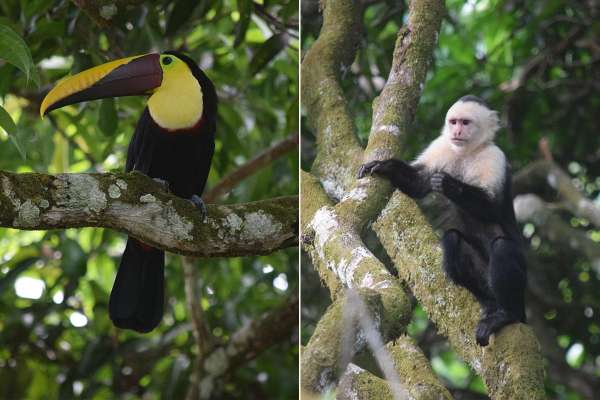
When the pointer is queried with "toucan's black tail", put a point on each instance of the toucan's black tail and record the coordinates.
(137, 297)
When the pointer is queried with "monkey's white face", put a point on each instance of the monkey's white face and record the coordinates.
(469, 124)
(461, 130)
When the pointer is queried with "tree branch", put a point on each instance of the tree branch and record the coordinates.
(540, 176)
(322, 96)
(417, 377)
(202, 335)
(264, 158)
(331, 234)
(247, 343)
(135, 204)
(530, 208)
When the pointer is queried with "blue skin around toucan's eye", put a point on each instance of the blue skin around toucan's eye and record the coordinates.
(167, 60)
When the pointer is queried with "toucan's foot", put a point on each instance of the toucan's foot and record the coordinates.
(163, 183)
(197, 201)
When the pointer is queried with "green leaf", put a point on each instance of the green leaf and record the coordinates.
(267, 51)
(10, 128)
(14, 50)
(245, 10)
(107, 117)
(6, 122)
(182, 12)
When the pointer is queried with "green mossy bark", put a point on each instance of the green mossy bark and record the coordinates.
(321, 357)
(314, 197)
(417, 379)
(342, 260)
(415, 371)
(323, 98)
(331, 234)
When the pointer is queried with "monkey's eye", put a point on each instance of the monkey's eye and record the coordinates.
(466, 122)
(452, 121)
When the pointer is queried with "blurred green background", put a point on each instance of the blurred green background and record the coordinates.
(537, 62)
(56, 340)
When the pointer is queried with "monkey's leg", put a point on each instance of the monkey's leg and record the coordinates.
(464, 265)
(403, 176)
(508, 279)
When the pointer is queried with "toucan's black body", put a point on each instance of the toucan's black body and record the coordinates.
(182, 158)
(174, 141)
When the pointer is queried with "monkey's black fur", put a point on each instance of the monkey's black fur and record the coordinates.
(474, 99)
(482, 243)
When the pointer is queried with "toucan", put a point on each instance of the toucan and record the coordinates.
(174, 141)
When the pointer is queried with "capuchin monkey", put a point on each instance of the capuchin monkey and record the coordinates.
(483, 249)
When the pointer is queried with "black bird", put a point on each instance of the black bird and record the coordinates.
(174, 141)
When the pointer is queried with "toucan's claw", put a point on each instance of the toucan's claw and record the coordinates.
(163, 183)
(197, 201)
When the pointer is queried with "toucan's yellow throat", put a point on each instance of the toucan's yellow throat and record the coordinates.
(175, 94)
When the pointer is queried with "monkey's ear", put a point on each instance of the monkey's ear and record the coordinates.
(492, 123)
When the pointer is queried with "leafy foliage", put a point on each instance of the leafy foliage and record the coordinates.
(61, 343)
(537, 63)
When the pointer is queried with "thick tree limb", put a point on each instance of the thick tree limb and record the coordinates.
(331, 234)
(413, 368)
(135, 204)
(321, 361)
(511, 366)
(326, 107)
(339, 255)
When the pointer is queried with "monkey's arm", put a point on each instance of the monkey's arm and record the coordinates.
(409, 179)
(472, 199)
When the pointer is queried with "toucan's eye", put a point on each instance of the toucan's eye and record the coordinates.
(167, 60)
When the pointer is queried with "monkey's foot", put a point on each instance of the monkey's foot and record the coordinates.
(163, 183)
(197, 201)
(492, 323)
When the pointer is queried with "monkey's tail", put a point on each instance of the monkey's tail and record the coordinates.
(137, 297)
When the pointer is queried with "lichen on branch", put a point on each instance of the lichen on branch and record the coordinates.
(137, 205)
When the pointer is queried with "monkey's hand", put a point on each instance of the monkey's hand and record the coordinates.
(371, 168)
(401, 175)
(443, 183)
(388, 168)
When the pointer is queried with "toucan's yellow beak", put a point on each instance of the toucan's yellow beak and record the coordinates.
(124, 77)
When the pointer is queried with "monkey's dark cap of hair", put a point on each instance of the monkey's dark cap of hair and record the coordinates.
(474, 99)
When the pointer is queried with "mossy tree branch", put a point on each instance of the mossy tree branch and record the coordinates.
(246, 344)
(137, 205)
(417, 377)
(331, 233)
(324, 101)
